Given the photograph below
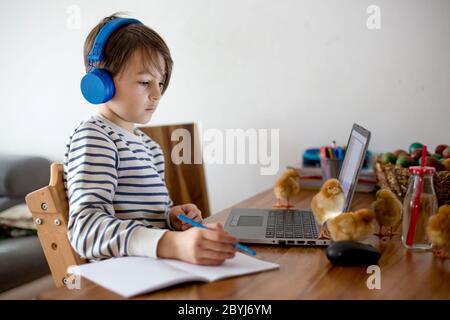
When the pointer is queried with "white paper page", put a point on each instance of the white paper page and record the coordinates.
(130, 276)
(241, 264)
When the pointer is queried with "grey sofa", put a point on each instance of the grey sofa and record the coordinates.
(21, 258)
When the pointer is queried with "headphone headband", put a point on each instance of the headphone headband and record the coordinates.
(97, 86)
(96, 53)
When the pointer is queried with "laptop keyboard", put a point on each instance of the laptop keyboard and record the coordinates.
(291, 224)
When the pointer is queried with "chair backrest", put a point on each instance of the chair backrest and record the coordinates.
(50, 210)
(186, 182)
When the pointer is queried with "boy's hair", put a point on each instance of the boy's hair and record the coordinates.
(124, 42)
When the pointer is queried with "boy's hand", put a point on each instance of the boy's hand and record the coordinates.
(210, 246)
(189, 210)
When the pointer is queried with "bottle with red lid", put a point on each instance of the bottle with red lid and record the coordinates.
(419, 205)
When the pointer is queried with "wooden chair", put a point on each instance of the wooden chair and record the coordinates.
(186, 182)
(50, 208)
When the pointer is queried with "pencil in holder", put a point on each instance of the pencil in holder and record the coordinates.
(330, 168)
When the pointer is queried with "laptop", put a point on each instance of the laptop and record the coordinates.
(293, 226)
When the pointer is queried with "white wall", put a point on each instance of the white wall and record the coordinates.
(310, 68)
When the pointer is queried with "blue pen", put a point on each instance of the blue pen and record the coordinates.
(335, 150)
(199, 225)
(340, 153)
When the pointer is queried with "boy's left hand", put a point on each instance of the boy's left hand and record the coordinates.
(189, 210)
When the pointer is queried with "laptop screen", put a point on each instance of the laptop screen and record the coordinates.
(354, 158)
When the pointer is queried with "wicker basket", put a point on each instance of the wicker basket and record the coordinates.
(396, 178)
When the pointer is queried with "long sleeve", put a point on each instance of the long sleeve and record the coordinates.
(91, 168)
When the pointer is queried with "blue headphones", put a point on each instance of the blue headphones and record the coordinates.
(97, 86)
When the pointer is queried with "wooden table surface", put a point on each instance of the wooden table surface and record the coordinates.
(305, 272)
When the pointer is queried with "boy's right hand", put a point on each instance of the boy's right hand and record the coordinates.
(198, 246)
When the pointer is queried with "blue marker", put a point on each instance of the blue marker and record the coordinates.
(199, 225)
(340, 153)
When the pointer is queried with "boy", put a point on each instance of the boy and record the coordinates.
(114, 173)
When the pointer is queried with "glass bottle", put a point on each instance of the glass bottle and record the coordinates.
(421, 178)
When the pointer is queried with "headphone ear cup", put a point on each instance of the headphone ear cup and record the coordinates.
(97, 86)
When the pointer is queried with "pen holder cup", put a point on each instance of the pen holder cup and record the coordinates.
(330, 168)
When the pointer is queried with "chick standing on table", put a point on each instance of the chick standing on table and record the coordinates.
(388, 211)
(286, 187)
(352, 226)
(328, 203)
(438, 231)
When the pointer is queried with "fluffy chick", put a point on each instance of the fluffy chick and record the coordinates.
(388, 211)
(438, 231)
(286, 187)
(353, 226)
(329, 202)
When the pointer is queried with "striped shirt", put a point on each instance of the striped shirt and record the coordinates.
(118, 200)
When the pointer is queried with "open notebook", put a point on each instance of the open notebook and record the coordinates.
(131, 276)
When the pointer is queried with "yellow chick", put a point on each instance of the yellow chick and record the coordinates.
(286, 187)
(328, 203)
(353, 226)
(388, 211)
(438, 231)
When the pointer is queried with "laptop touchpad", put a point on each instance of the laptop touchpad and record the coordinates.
(250, 221)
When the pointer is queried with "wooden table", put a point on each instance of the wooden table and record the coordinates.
(305, 272)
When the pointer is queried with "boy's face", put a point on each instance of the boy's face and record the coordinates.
(138, 90)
